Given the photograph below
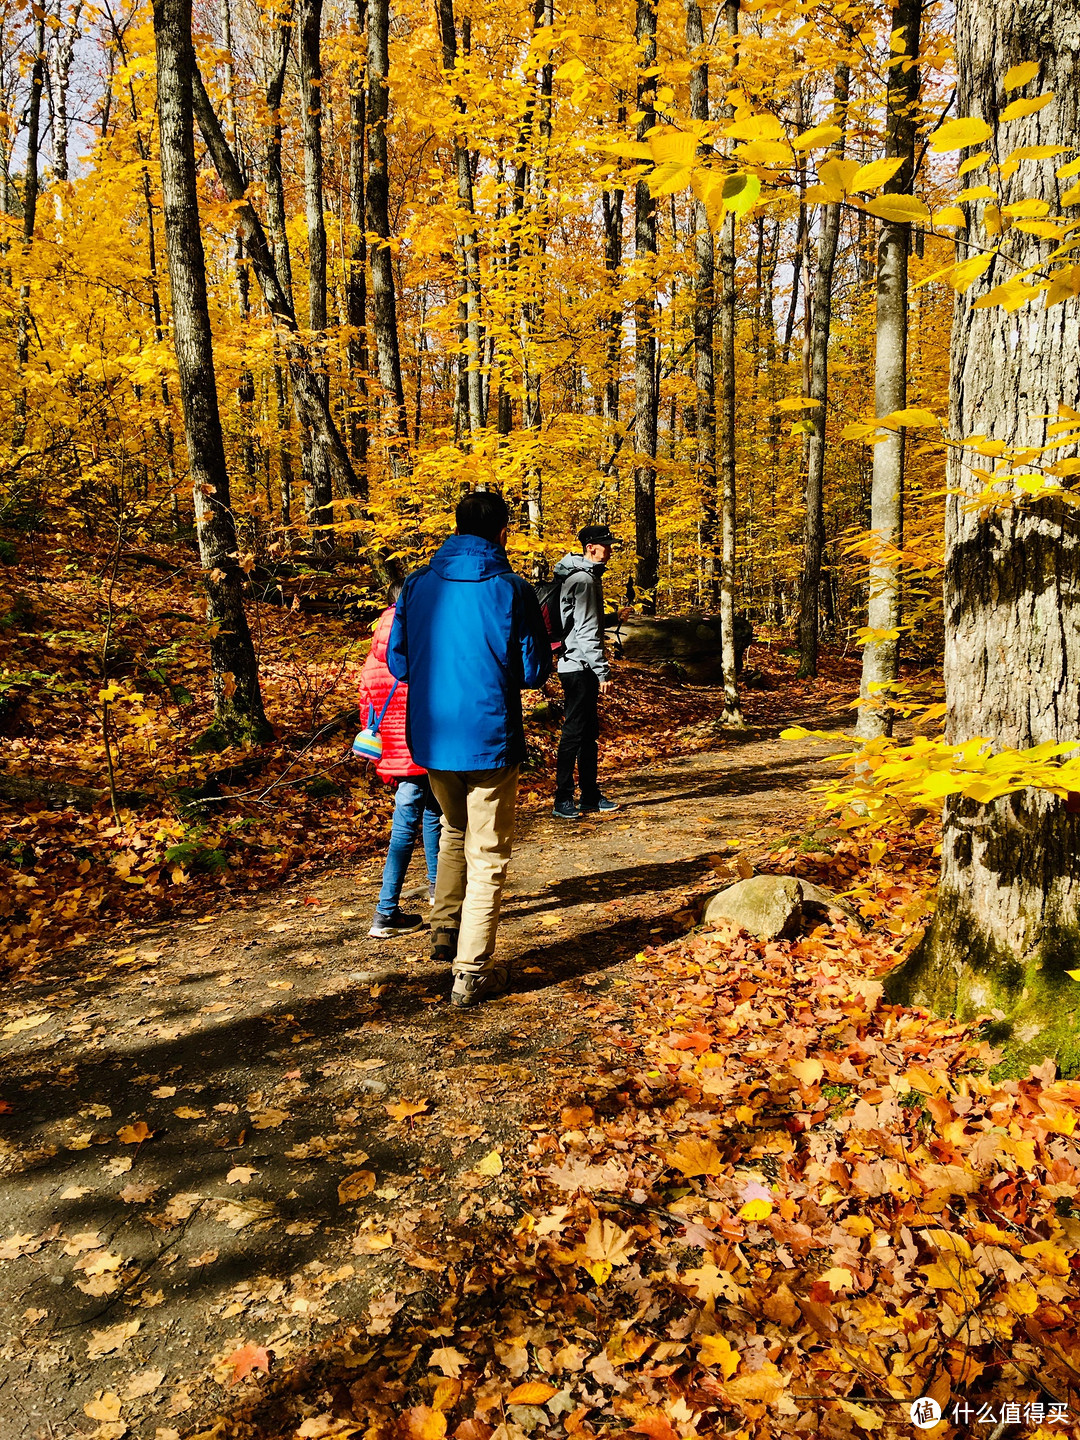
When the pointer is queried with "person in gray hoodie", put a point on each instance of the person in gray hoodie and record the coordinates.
(584, 672)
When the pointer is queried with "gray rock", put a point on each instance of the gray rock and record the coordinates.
(765, 905)
(817, 896)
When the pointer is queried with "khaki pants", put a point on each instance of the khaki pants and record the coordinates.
(474, 852)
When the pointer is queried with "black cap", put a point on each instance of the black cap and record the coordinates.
(596, 535)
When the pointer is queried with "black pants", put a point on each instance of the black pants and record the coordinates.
(580, 732)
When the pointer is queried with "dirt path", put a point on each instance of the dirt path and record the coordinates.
(283, 1190)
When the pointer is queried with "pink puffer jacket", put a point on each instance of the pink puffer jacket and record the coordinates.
(376, 683)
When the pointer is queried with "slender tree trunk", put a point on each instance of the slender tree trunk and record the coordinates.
(799, 259)
(356, 274)
(383, 298)
(1005, 931)
(318, 499)
(237, 696)
(613, 255)
(881, 658)
(814, 537)
(732, 713)
(470, 261)
(275, 184)
(646, 394)
(65, 54)
(30, 199)
(311, 403)
(704, 320)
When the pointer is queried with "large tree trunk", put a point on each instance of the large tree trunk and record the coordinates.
(646, 395)
(383, 298)
(732, 713)
(319, 495)
(881, 658)
(1007, 925)
(814, 538)
(237, 697)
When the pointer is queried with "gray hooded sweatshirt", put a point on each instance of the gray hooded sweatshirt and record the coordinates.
(582, 598)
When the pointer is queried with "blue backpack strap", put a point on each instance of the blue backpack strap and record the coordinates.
(374, 728)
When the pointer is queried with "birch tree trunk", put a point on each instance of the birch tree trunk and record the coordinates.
(732, 713)
(646, 397)
(238, 703)
(65, 54)
(318, 499)
(814, 538)
(470, 261)
(30, 199)
(383, 298)
(1007, 924)
(881, 658)
(613, 255)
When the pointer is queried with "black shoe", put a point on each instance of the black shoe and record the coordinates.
(444, 946)
(471, 989)
(601, 806)
(566, 810)
(384, 927)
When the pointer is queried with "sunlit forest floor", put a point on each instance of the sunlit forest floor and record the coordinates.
(263, 1183)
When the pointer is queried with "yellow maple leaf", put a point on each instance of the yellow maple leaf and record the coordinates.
(715, 1352)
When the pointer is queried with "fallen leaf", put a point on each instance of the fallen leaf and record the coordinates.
(206, 1258)
(268, 1119)
(356, 1186)
(107, 1342)
(134, 1134)
(117, 1166)
(143, 1384)
(450, 1361)
(695, 1157)
(491, 1164)
(533, 1392)
(247, 1358)
(137, 1194)
(716, 1353)
(106, 1407)
(421, 1422)
(189, 1112)
(25, 1022)
(405, 1109)
(240, 1175)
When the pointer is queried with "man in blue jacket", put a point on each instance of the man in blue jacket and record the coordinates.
(468, 636)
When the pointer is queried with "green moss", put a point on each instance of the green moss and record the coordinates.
(1032, 1004)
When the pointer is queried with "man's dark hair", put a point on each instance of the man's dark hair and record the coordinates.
(393, 590)
(482, 513)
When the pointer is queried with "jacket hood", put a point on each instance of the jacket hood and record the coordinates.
(569, 564)
(469, 558)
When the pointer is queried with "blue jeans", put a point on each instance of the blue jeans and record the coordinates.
(415, 808)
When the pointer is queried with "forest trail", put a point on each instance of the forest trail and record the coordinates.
(274, 1052)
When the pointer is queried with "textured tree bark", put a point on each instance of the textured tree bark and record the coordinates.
(881, 658)
(646, 571)
(1006, 928)
(237, 697)
(356, 273)
(383, 298)
(311, 404)
(814, 538)
(704, 317)
(65, 54)
(275, 184)
(470, 262)
(732, 713)
(319, 489)
(30, 199)
(613, 255)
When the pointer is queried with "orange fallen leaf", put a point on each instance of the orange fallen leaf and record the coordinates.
(247, 1358)
(421, 1422)
(134, 1134)
(406, 1109)
(533, 1392)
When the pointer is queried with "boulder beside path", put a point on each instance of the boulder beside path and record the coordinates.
(770, 906)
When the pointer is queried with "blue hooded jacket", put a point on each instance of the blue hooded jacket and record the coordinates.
(468, 636)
